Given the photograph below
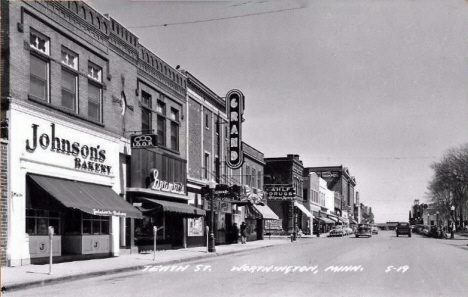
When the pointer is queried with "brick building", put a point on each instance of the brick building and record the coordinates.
(76, 85)
(284, 182)
(339, 180)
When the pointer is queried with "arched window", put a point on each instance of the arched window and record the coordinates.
(83, 12)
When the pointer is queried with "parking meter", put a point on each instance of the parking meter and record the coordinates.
(51, 236)
(155, 232)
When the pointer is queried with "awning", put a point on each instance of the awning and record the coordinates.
(303, 209)
(90, 198)
(327, 221)
(333, 219)
(266, 212)
(176, 207)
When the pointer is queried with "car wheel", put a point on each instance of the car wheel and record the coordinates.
(397, 235)
(357, 236)
(409, 235)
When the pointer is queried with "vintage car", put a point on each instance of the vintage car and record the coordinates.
(375, 230)
(364, 230)
(403, 228)
(337, 231)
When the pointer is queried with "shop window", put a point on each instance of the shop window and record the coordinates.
(95, 224)
(38, 221)
(174, 129)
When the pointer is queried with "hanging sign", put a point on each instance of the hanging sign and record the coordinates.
(143, 141)
(234, 110)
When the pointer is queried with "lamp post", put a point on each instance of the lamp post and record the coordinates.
(211, 241)
(452, 212)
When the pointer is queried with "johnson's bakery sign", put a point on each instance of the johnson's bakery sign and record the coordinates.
(86, 157)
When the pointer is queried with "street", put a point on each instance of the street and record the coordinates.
(383, 265)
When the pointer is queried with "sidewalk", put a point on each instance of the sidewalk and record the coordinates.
(22, 277)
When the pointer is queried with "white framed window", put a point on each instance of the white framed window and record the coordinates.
(69, 61)
(39, 68)
(39, 42)
(69, 58)
(94, 72)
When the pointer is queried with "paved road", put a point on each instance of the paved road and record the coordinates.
(383, 265)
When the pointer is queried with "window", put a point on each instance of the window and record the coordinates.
(207, 122)
(146, 102)
(206, 166)
(161, 109)
(247, 175)
(174, 116)
(69, 89)
(39, 66)
(95, 72)
(252, 178)
(94, 101)
(38, 221)
(226, 132)
(95, 224)
(94, 92)
(259, 180)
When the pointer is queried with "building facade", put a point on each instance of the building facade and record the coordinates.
(284, 188)
(77, 88)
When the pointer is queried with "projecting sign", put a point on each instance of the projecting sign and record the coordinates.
(143, 141)
(234, 110)
(280, 193)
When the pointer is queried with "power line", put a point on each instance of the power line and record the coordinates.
(216, 19)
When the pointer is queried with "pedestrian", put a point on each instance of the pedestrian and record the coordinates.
(243, 230)
(235, 233)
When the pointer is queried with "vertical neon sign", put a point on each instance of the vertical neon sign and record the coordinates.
(234, 110)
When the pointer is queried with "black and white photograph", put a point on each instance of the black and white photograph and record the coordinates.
(234, 148)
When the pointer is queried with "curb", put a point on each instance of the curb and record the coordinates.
(86, 275)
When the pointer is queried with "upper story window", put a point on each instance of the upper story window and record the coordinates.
(207, 121)
(69, 58)
(39, 42)
(259, 180)
(174, 116)
(252, 178)
(94, 92)
(95, 72)
(69, 79)
(161, 123)
(39, 68)
(146, 102)
(206, 164)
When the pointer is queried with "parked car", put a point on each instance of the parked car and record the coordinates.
(337, 231)
(375, 230)
(425, 230)
(403, 228)
(435, 232)
(364, 230)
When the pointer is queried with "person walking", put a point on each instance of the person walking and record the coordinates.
(235, 233)
(243, 229)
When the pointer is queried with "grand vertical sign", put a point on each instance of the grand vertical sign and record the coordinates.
(235, 108)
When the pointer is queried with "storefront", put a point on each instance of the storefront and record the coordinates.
(304, 220)
(64, 176)
(158, 189)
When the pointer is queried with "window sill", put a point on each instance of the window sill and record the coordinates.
(64, 110)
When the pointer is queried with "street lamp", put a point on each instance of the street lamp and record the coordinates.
(211, 241)
(452, 212)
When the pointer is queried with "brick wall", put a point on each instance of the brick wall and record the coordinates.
(4, 202)
(195, 162)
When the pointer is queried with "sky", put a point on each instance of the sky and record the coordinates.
(378, 86)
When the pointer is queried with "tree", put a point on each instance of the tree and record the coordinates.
(449, 185)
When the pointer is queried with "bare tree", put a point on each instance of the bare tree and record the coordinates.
(449, 186)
